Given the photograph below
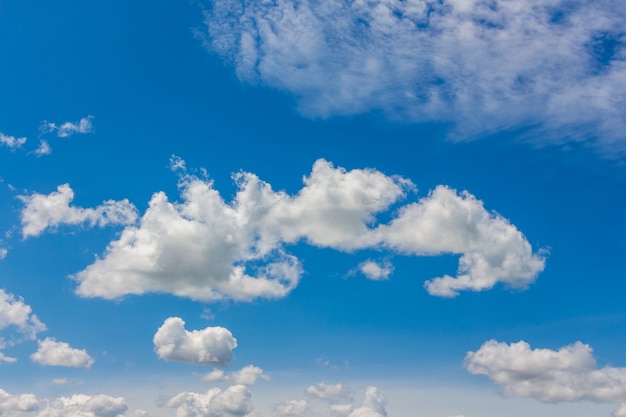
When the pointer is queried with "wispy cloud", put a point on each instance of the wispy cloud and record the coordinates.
(67, 129)
(553, 68)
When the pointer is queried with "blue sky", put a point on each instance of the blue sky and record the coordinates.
(298, 209)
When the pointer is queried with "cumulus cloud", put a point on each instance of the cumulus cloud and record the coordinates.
(14, 312)
(48, 211)
(330, 392)
(67, 129)
(209, 346)
(235, 401)
(53, 353)
(373, 405)
(81, 405)
(293, 408)
(11, 142)
(17, 403)
(376, 271)
(206, 249)
(482, 66)
(247, 375)
(567, 374)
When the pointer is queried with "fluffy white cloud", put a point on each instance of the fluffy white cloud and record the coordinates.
(48, 211)
(3, 253)
(492, 249)
(84, 125)
(376, 271)
(210, 346)
(235, 401)
(14, 312)
(81, 405)
(373, 405)
(293, 408)
(12, 403)
(330, 392)
(53, 353)
(567, 374)
(245, 376)
(11, 141)
(206, 249)
(483, 66)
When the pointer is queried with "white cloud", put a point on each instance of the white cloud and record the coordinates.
(84, 125)
(48, 211)
(53, 353)
(492, 249)
(5, 358)
(3, 253)
(293, 408)
(11, 142)
(484, 66)
(14, 312)
(17, 403)
(237, 250)
(330, 392)
(567, 374)
(235, 401)
(373, 405)
(43, 148)
(245, 376)
(209, 346)
(81, 405)
(376, 271)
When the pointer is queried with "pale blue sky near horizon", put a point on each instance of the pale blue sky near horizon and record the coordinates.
(157, 79)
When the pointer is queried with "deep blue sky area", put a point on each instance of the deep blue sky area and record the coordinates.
(269, 88)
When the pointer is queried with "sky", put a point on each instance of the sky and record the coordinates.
(296, 208)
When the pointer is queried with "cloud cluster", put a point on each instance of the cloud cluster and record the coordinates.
(48, 211)
(53, 353)
(207, 249)
(210, 346)
(247, 375)
(11, 142)
(235, 401)
(17, 403)
(567, 374)
(81, 405)
(339, 399)
(483, 66)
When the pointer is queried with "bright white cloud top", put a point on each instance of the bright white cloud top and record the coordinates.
(210, 346)
(53, 353)
(9, 404)
(201, 247)
(485, 66)
(49, 211)
(567, 374)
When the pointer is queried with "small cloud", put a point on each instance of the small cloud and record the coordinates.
(3, 253)
(248, 375)
(67, 129)
(209, 346)
(11, 142)
(67, 381)
(53, 353)
(43, 149)
(376, 271)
